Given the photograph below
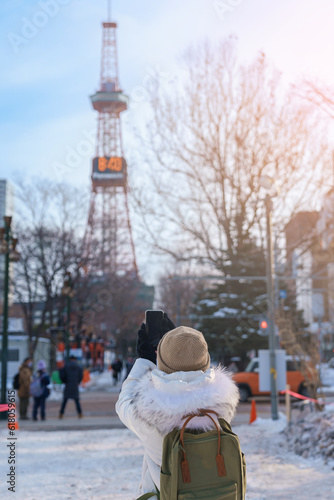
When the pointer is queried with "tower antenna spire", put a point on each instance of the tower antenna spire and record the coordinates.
(109, 11)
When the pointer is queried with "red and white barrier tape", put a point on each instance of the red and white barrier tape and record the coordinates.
(299, 396)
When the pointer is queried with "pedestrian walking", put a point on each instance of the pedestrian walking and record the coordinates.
(39, 389)
(117, 367)
(23, 392)
(71, 375)
(165, 385)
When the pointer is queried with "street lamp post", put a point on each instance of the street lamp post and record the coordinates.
(8, 249)
(269, 184)
(68, 292)
(271, 311)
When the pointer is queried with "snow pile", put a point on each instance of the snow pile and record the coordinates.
(313, 436)
(103, 382)
(100, 381)
(270, 426)
(273, 471)
(56, 392)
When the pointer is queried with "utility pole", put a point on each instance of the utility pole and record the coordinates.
(69, 293)
(68, 327)
(271, 312)
(8, 249)
(4, 359)
(277, 294)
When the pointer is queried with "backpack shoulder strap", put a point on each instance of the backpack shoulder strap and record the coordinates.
(226, 427)
(146, 496)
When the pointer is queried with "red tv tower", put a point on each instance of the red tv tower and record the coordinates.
(109, 241)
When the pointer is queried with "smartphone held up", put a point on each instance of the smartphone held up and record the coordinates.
(153, 320)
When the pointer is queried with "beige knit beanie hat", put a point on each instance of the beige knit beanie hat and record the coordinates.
(183, 349)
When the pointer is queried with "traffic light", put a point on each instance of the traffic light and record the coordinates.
(263, 324)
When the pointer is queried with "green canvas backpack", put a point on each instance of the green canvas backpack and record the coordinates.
(202, 466)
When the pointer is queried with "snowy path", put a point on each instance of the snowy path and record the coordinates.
(106, 464)
(276, 474)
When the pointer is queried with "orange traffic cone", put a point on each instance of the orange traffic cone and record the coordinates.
(13, 425)
(253, 415)
(86, 377)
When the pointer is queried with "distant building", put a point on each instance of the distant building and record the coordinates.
(310, 258)
(300, 235)
(6, 199)
(18, 350)
(325, 223)
(16, 310)
(6, 208)
(325, 231)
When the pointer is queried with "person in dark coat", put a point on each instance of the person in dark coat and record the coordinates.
(44, 381)
(71, 376)
(117, 367)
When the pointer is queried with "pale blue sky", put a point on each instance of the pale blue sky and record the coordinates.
(47, 78)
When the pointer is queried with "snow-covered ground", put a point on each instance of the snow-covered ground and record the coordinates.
(275, 473)
(106, 464)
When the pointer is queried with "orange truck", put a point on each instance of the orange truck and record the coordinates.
(248, 381)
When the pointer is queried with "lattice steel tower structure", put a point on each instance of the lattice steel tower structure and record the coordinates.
(109, 239)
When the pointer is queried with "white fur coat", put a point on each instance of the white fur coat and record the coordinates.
(153, 403)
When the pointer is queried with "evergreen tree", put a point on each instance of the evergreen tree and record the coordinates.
(230, 313)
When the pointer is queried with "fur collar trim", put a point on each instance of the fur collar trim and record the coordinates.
(162, 400)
